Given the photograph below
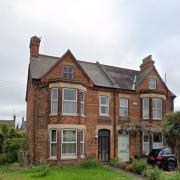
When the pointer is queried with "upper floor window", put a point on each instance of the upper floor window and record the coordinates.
(54, 100)
(82, 103)
(53, 142)
(69, 104)
(157, 108)
(152, 83)
(123, 107)
(67, 72)
(145, 108)
(104, 105)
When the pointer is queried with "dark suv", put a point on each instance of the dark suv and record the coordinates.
(163, 158)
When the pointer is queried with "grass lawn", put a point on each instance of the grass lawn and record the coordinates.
(61, 173)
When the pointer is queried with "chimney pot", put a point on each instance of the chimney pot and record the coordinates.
(34, 46)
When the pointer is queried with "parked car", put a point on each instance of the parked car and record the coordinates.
(163, 158)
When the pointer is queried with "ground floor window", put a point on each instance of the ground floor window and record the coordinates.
(146, 146)
(53, 143)
(157, 140)
(82, 143)
(69, 143)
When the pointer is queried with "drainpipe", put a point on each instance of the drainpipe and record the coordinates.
(115, 123)
(35, 120)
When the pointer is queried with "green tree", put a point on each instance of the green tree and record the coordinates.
(10, 141)
(171, 130)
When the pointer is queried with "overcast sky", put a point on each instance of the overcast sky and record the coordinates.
(115, 32)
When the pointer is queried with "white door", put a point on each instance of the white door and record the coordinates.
(123, 147)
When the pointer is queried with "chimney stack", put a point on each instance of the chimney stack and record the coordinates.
(34, 46)
(147, 62)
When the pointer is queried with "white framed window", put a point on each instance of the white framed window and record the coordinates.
(69, 101)
(104, 105)
(53, 143)
(67, 72)
(157, 140)
(82, 103)
(54, 100)
(145, 108)
(146, 144)
(157, 108)
(152, 83)
(69, 143)
(123, 104)
(82, 135)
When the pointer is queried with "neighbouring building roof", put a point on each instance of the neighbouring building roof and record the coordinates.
(10, 123)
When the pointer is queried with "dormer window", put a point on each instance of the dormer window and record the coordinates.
(67, 72)
(152, 83)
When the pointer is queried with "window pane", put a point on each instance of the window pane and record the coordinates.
(152, 83)
(67, 72)
(146, 138)
(145, 102)
(104, 100)
(69, 107)
(69, 135)
(81, 136)
(123, 102)
(69, 94)
(157, 137)
(104, 110)
(69, 149)
(81, 149)
(54, 94)
(54, 106)
(53, 149)
(53, 135)
(123, 112)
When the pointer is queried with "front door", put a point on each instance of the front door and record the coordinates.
(123, 146)
(104, 145)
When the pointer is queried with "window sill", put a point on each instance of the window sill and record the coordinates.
(54, 114)
(52, 158)
(70, 115)
(68, 157)
(83, 116)
(103, 115)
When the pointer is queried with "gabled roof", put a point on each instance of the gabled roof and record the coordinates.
(101, 75)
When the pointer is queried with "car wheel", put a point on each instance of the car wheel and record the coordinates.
(171, 166)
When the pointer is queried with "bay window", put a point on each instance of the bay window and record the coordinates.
(69, 104)
(82, 103)
(82, 143)
(53, 143)
(104, 105)
(157, 108)
(69, 143)
(145, 108)
(54, 100)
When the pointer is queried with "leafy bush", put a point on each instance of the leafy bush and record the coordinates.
(154, 173)
(114, 162)
(175, 176)
(139, 166)
(122, 165)
(89, 163)
(129, 167)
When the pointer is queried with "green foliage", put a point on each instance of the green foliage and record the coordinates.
(41, 171)
(154, 173)
(114, 162)
(10, 141)
(138, 166)
(175, 176)
(171, 128)
(89, 163)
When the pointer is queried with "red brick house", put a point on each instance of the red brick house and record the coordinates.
(79, 109)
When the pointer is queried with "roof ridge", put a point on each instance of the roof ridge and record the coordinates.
(107, 77)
